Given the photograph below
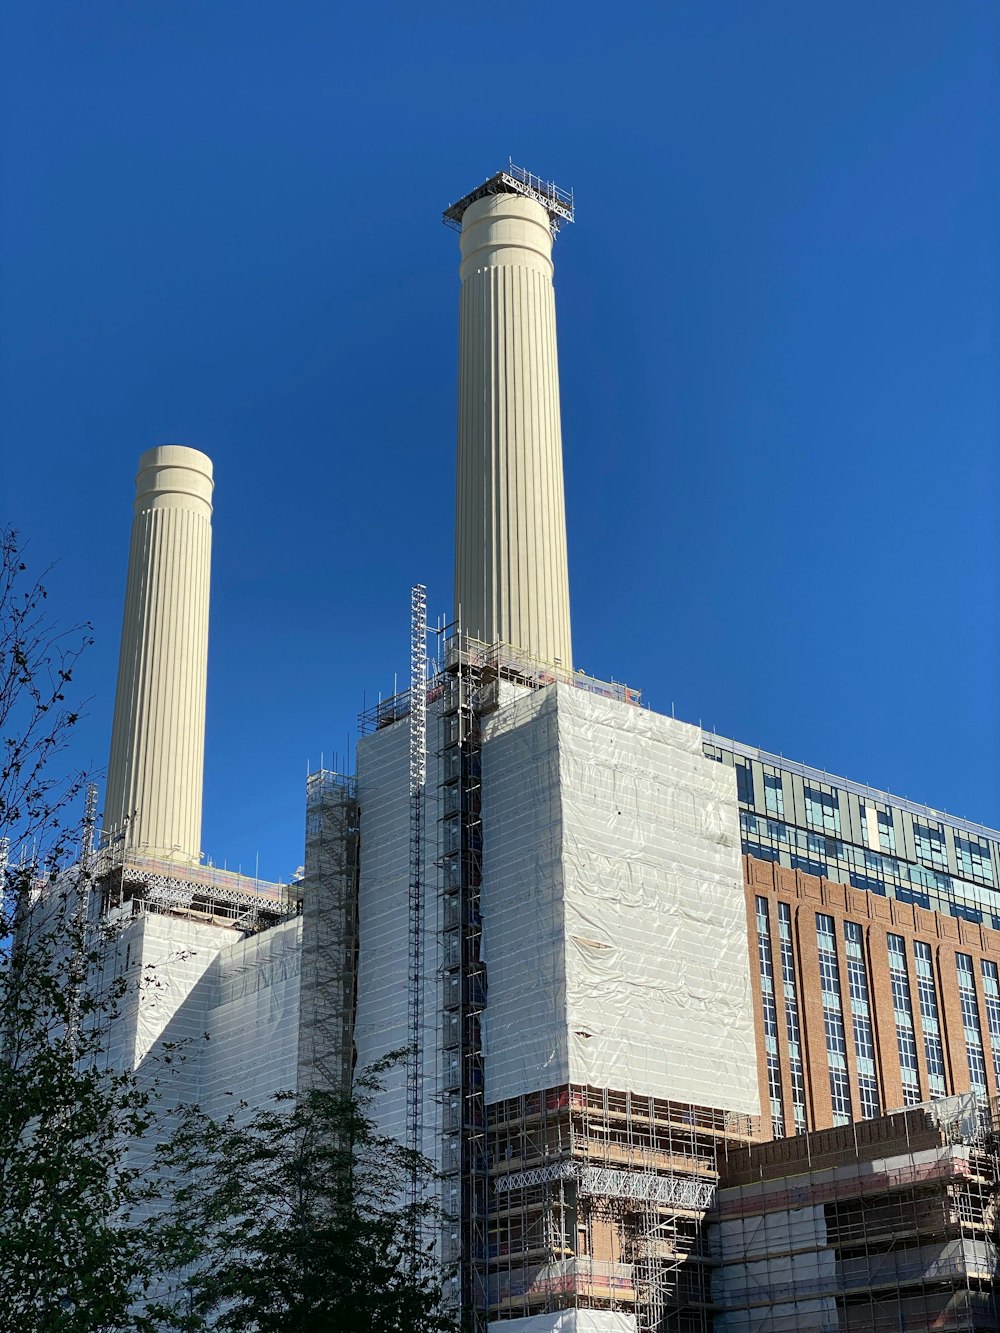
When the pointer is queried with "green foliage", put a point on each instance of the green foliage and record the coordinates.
(69, 1259)
(298, 1217)
(294, 1217)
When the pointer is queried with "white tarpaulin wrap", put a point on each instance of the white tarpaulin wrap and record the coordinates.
(230, 1003)
(568, 1321)
(381, 1024)
(383, 921)
(171, 968)
(613, 906)
(253, 1021)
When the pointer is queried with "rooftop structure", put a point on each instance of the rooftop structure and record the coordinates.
(558, 203)
(132, 885)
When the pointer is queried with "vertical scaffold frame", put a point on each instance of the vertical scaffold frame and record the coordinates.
(464, 1156)
(418, 778)
(328, 895)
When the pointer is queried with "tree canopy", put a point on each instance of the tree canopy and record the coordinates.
(298, 1216)
(115, 1215)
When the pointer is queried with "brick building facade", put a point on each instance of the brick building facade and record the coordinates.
(864, 1004)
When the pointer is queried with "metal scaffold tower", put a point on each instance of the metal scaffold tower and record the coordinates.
(328, 902)
(418, 777)
(88, 839)
(465, 1162)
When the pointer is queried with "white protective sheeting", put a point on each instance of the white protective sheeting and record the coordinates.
(170, 962)
(381, 1023)
(568, 1321)
(759, 1235)
(613, 906)
(227, 1005)
(525, 1036)
(788, 1317)
(253, 1020)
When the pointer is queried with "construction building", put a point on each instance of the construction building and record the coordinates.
(623, 954)
(882, 1226)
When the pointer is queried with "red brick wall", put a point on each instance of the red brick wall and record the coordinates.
(807, 895)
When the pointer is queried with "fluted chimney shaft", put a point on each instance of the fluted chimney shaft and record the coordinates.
(156, 767)
(511, 572)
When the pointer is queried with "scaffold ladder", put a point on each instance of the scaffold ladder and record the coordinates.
(418, 777)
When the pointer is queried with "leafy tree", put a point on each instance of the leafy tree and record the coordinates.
(292, 1217)
(297, 1217)
(69, 1259)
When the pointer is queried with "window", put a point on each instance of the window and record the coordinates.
(991, 994)
(868, 1093)
(770, 1009)
(930, 844)
(886, 832)
(822, 810)
(864, 1042)
(970, 1022)
(929, 1019)
(836, 1039)
(833, 1019)
(792, 1017)
(774, 797)
(902, 1005)
(973, 857)
(824, 928)
(840, 1097)
(774, 1095)
(744, 784)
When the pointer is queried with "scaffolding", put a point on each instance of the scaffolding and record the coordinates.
(130, 884)
(597, 1201)
(328, 901)
(491, 663)
(557, 202)
(415, 926)
(463, 980)
(881, 1226)
(644, 1212)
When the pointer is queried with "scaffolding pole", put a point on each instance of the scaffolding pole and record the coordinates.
(418, 777)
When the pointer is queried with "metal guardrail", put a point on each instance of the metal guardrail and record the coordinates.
(548, 193)
(610, 1183)
(506, 662)
(557, 202)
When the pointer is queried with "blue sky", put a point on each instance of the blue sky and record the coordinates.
(778, 330)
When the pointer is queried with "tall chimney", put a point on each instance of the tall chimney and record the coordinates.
(155, 772)
(511, 573)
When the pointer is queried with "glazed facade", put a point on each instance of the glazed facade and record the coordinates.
(803, 819)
